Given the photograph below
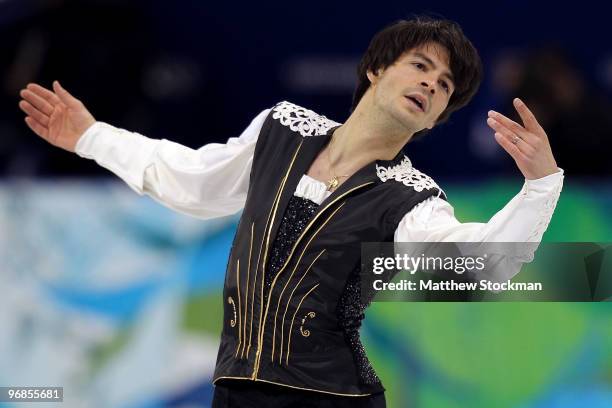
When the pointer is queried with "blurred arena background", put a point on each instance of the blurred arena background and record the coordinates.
(118, 299)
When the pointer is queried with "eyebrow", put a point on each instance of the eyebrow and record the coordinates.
(447, 74)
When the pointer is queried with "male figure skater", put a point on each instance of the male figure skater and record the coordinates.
(311, 191)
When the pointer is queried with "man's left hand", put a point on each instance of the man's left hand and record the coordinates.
(528, 145)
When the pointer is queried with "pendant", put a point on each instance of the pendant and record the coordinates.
(332, 183)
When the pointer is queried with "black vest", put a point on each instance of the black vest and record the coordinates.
(293, 337)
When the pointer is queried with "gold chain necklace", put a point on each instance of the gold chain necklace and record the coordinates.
(332, 183)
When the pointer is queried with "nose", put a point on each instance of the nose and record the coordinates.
(426, 85)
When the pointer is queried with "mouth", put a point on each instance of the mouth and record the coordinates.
(418, 101)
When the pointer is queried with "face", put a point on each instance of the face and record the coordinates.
(416, 89)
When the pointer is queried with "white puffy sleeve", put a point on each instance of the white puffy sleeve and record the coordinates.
(523, 219)
(209, 182)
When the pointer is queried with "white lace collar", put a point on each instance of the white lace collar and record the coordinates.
(406, 174)
(302, 120)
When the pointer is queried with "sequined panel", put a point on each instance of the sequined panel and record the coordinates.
(350, 314)
(299, 211)
(350, 310)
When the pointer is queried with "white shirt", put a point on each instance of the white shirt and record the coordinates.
(213, 180)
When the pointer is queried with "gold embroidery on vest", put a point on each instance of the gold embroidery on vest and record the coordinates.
(239, 309)
(231, 302)
(293, 318)
(294, 268)
(306, 332)
(257, 267)
(263, 269)
(289, 301)
(277, 197)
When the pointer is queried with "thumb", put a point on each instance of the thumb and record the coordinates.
(65, 96)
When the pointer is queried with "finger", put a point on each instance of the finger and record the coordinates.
(510, 124)
(512, 137)
(526, 150)
(529, 119)
(509, 147)
(34, 113)
(44, 93)
(36, 101)
(37, 127)
(65, 96)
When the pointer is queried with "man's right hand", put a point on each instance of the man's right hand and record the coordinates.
(57, 117)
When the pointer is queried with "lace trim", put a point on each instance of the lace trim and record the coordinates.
(546, 214)
(406, 174)
(311, 189)
(302, 120)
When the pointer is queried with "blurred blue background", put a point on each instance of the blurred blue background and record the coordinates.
(118, 299)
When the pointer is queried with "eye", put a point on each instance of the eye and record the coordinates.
(445, 86)
(419, 66)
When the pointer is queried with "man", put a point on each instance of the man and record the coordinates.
(312, 190)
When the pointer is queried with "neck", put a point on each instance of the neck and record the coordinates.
(366, 136)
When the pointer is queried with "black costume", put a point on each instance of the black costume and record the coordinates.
(292, 287)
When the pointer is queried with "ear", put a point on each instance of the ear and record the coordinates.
(373, 77)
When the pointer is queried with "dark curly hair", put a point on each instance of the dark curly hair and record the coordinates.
(389, 44)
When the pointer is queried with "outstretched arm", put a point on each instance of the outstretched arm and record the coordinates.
(209, 182)
(524, 219)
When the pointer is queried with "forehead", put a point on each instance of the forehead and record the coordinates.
(436, 52)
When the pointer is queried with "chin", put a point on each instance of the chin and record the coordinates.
(406, 118)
